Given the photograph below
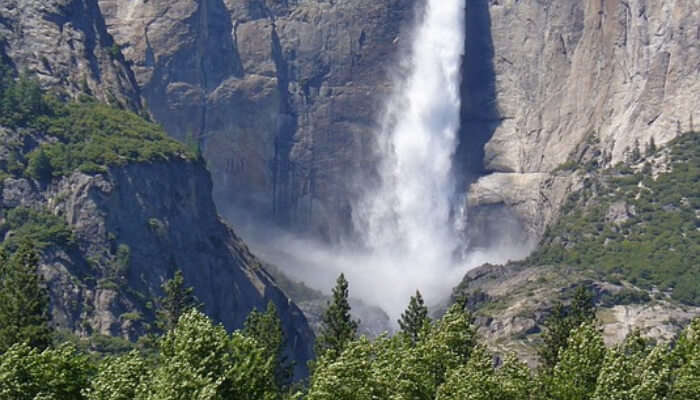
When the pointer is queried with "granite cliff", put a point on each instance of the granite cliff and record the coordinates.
(574, 80)
(283, 96)
(65, 44)
(129, 228)
(114, 204)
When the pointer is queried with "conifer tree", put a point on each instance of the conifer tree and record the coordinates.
(24, 302)
(337, 327)
(177, 300)
(414, 318)
(266, 329)
(39, 166)
(561, 322)
(651, 147)
(636, 153)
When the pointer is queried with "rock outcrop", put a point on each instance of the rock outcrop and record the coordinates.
(281, 95)
(133, 226)
(569, 74)
(66, 45)
(512, 302)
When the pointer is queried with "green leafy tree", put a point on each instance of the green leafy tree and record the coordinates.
(479, 380)
(654, 376)
(619, 374)
(447, 345)
(117, 378)
(27, 373)
(266, 329)
(575, 375)
(199, 360)
(24, 302)
(475, 380)
(360, 372)
(686, 359)
(177, 300)
(337, 326)
(561, 322)
(415, 317)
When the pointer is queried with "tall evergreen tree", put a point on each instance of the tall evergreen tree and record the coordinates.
(177, 300)
(24, 302)
(266, 329)
(561, 322)
(337, 327)
(414, 318)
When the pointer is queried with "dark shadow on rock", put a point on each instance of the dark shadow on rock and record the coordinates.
(479, 113)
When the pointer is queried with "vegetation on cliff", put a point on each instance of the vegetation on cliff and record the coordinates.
(636, 222)
(86, 135)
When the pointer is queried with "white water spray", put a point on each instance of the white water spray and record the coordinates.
(406, 221)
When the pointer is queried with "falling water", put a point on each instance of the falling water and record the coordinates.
(406, 220)
(409, 237)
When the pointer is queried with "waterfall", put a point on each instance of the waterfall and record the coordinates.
(405, 221)
(404, 218)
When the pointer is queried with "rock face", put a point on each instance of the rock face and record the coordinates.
(66, 45)
(281, 95)
(512, 302)
(570, 73)
(134, 226)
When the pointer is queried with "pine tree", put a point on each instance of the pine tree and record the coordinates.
(651, 147)
(39, 166)
(337, 327)
(414, 318)
(636, 153)
(266, 329)
(177, 300)
(24, 302)
(561, 322)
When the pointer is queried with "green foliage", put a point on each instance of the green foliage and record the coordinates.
(415, 317)
(561, 322)
(21, 99)
(24, 303)
(94, 136)
(338, 327)
(177, 300)
(39, 226)
(574, 377)
(478, 380)
(39, 166)
(628, 372)
(29, 374)
(625, 297)
(115, 51)
(394, 368)
(658, 242)
(266, 329)
(686, 359)
(117, 378)
(199, 360)
(90, 136)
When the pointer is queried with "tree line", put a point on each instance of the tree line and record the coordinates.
(191, 357)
